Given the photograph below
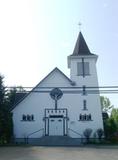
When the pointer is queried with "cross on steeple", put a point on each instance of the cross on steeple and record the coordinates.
(80, 24)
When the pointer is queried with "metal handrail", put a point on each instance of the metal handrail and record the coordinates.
(75, 132)
(35, 132)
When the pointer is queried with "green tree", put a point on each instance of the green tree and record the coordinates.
(105, 104)
(2, 92)
(11, 97)
(15, 94)
(5, 115)
(114, 115)
(110, 127)
(111, 122)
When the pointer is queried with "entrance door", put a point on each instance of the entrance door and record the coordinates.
(56, 127)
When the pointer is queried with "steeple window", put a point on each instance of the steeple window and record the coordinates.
(83, 68)
(86, 68)
(79, 69)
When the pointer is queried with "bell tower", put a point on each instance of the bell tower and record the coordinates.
(83, 72)
(82, 64)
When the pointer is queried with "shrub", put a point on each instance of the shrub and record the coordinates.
(100, 133)
(87, 133)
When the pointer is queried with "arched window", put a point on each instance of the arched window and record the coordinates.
(28, 117)
(32, 117)
(24, 117)
(80, 117)
(85, 117)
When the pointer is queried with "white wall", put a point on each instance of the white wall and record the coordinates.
(35, 103)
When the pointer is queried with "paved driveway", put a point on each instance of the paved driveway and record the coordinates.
(59, 153)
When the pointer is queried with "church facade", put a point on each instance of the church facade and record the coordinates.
(62, 106)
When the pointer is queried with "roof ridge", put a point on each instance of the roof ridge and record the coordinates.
(71, 83)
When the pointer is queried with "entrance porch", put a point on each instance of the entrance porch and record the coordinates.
(56, 122)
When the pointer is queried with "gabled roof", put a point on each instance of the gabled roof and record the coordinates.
(81, 47)
(38, 85)
(58, 70)
(18, 97)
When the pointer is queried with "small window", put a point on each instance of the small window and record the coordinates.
(32, 117)
(79, 69)
(27, 117)
(83, 69)
(24, 118)
(86, 68)
(80, 117)
(85, 117)
(89, 117)
(84, 90)
(84, 105)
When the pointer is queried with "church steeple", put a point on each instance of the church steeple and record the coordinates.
(82, 63)
(81, 47)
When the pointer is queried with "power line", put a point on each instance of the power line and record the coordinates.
(12, 87)
(68, 90)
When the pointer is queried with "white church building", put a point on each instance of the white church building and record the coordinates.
(60, 105)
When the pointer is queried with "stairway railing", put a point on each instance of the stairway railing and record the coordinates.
(42, 129)
(81, 139)
(75, 132)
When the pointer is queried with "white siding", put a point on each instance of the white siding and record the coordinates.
(36, 102)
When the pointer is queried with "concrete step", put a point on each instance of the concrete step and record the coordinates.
(55, 141)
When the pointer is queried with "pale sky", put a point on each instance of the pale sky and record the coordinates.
(37, 35)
